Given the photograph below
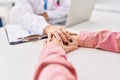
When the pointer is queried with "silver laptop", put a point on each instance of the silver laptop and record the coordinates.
(80, 11)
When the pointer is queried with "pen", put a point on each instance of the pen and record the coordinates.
(33, 37)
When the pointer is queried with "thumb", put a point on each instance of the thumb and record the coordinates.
(70, 48)
(50, 36)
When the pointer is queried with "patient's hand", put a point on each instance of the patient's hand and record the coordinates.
(72, 45)
(74, 41)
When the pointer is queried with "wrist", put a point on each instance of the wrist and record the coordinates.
(45, 15)
(47, 29)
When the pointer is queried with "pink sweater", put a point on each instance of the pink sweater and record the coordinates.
(53, 65)
(105, 40)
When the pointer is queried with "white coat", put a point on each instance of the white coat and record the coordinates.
(26, 13)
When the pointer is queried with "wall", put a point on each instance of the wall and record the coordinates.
(5, 0)
(108, 1)
(5, 6)
(109, 5)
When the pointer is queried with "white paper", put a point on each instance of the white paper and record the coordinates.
(16, 31)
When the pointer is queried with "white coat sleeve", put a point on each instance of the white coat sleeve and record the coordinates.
(27, 18)
(60, 12)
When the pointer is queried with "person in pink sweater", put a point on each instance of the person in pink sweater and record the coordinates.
(105, 40)
(53, 64)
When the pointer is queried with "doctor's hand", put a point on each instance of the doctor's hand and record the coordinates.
(60, 33)
(67, 48)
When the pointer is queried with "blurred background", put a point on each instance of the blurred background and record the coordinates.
(6, 5)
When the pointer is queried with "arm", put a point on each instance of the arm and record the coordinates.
(24, 15)
(53, 65)
(105, 40)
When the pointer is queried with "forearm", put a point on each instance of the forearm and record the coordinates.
(34, 23)
(88, 39)
(54, 65)
(105, 40)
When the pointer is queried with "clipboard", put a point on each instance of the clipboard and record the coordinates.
(16, 34)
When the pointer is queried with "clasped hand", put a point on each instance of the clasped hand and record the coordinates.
(58, 36)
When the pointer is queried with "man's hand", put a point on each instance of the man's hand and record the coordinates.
(60, 33)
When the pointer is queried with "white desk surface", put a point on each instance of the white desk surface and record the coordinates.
(17, 62)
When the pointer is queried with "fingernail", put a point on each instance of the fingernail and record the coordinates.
(71, 40)
(49, 39)
(65, 43)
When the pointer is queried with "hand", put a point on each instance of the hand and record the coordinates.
(59, 32)
(74, 40)
(73, 44)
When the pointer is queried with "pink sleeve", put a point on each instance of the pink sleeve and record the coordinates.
(53, 65)
(106, 40)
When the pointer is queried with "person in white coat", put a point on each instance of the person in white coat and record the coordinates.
(34, 14)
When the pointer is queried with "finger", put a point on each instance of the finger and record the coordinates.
(56, 35)
(67, 34)
(71, 33)
(63, 37)
(48, 41)
(53, 38)
(44, 43)
(73, 43)
(50, 36)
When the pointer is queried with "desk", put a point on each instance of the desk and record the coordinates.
(17, 62)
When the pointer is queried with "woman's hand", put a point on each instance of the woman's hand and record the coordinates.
(72, 45)
(60, 33)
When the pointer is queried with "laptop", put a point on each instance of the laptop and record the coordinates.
(80, 11)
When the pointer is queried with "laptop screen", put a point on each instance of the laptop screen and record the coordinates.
(80, 11)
